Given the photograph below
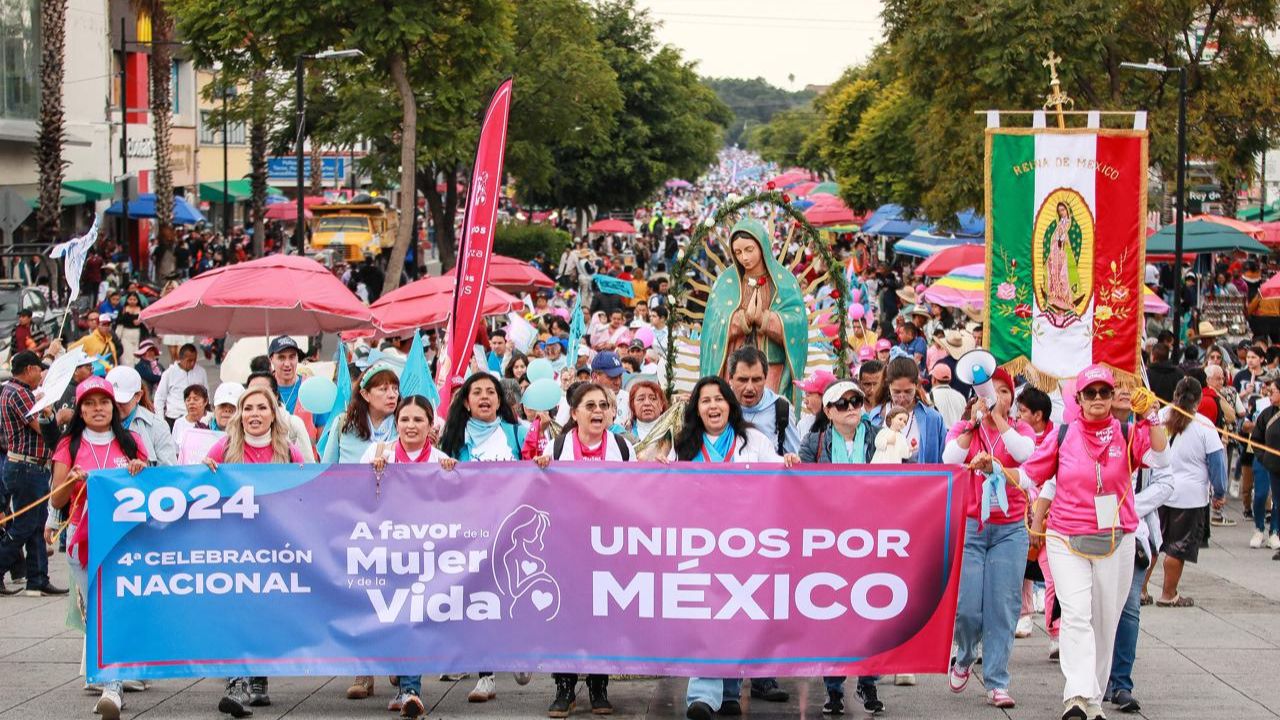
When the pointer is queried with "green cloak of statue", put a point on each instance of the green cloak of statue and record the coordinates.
(787, 302)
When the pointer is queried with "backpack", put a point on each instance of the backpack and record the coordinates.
(623, 450)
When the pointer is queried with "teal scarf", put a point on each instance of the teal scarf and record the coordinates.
(719, 450)
(840, 452)
(994, 490)
(477, 431)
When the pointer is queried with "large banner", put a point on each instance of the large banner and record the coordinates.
(476, 244)
(620, 568)
(1066, 220)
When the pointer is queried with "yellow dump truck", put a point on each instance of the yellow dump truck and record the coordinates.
(353, 231)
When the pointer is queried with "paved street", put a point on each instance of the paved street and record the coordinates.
(1216, 660)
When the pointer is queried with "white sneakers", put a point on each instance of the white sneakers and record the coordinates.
(1273, 542)
(109, 705)
(1024, 627)
(904, 679)
(486, 689)
(1260, 538)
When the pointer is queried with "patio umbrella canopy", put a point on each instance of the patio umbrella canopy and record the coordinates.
(143, 207)
(960, 288)
(274, 295)
(1202, 236)
(515, 275)
(951, 258)
(285, 211)
(427, 303)
(613, 227)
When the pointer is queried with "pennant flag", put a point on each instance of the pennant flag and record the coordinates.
(614, 286)
(416, 378)
(73, 252)
(476, 245)
(577, 328)
(1066, 213)
(340, 401)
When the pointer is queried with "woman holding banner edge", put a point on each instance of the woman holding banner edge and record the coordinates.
(715, 431)
(1090, 535)
(586, 438)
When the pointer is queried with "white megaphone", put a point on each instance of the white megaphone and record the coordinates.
(976, 368)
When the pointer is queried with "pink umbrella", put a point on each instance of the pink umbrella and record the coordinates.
(951, 258)
(427, 303)
(824, 214)
(614, 227)
(285, 211)
(515, 275)
(1270, 233)
(1151, 303)
(274, 295)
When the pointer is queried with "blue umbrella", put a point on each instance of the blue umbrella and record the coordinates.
(143, 207)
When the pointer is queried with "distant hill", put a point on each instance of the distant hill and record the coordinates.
(754, 102)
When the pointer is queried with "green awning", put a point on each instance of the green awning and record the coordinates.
(1203, 236)
(239, 190)
(1252, 213)
(95, 190)
(68, 199)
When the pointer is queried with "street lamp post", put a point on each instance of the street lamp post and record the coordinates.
(299, 228)
(1180, 199)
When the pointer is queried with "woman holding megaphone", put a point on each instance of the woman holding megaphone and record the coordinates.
(1090, 531)
(995, 541)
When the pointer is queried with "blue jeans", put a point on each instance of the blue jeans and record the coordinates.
(995, 559)
(1264, 482)
(410, 684)
(25, 483)
(1126, 648)
(713, 691)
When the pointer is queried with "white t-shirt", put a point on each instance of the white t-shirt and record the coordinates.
(1188, 470)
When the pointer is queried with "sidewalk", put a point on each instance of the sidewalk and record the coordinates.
(1216, 660)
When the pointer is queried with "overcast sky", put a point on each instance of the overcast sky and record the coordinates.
(815, 40)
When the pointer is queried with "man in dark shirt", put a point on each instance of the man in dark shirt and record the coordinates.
(1162, 374)
(26, 472)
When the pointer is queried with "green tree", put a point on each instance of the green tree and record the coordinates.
(783, 137)
(754, 103)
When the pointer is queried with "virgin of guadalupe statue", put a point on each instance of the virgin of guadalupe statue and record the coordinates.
(756, 301)
(1062, 274)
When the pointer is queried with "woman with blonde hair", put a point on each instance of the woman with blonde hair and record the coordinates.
(258, 433)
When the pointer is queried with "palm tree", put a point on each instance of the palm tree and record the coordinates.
(160, 70)
(53, 32)
(259, 121)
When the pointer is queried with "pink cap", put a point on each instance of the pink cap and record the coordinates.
(1095, 374)
(93, 384)
(883, 344)
(818, 382)
(866, 352)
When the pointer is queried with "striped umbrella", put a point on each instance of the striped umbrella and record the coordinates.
(960, 288)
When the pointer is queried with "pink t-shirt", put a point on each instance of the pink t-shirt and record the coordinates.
(252, 455)
(980, 439)
(90, 457)
(1074, 511)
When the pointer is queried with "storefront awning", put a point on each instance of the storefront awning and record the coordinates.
(67, 199)
(94, 190)
(238, 190)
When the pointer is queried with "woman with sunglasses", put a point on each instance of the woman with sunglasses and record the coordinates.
(714, 431)
(843, 434)
(1090, 531)
(96, 440)
(995, 541)
(586, 438)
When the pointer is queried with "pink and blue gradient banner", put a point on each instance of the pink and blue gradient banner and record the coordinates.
(677, 570)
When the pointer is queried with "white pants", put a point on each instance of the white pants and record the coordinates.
(1092, 594)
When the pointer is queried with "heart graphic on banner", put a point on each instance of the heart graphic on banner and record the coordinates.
(541, 599)
(529, 567)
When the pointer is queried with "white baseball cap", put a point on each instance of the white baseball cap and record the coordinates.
(228, 393)
(125, 381)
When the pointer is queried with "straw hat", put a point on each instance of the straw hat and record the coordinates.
(1206, 330)
(957, 343)
(909, 295)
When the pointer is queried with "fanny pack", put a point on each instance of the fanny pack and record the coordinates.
(1097, 545)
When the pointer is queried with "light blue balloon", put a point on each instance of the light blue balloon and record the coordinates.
(317, 394)
(542, 394)
(540, 369)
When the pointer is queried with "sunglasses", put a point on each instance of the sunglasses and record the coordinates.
(596, 407)
(1104, 393)
(846, 404)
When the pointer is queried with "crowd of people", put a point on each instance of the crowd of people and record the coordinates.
(1066, 517)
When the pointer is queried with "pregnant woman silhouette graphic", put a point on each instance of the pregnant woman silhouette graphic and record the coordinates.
(518, 568)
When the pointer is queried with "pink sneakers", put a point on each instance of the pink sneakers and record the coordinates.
(958, 678)
(999, 698)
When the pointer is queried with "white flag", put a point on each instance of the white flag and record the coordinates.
(520, 332)
(74, 252)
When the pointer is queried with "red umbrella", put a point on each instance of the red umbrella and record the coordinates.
(285, 211)
(803, 188)
(614, 227)
(515, 275)
(274, 295)
(310, 201)
(427, 303)
(947, 260)
(1271, 288)
(824, 214)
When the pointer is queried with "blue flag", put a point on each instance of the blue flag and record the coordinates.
(416, 378)
(614, 286)
(577, 328)
(342, 399)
